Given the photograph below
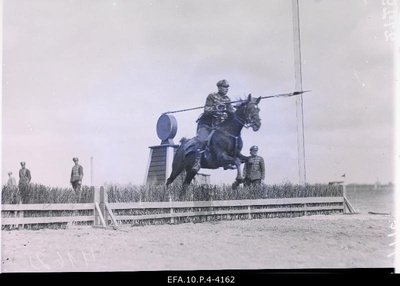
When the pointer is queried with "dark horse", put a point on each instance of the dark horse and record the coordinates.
(224, 144)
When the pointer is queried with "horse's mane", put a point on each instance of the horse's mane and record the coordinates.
(240, 102)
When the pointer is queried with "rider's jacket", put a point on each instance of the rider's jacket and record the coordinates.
(215, 109)
(254, 168)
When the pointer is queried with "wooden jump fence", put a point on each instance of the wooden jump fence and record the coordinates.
(103, 214)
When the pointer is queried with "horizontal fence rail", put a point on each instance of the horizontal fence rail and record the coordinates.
(26, 214)
(45, 220)
(46, 207)
(103, 214)
(227, 203)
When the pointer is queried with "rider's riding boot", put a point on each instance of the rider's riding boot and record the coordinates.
(197, 164)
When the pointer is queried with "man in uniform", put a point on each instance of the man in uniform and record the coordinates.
(76, 175)
(254, 168)
(11, 183)
(13, 189)
(216, 110)
(23, 184)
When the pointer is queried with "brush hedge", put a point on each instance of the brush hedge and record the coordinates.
(41, 194)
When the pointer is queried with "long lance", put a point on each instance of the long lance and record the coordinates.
(241, 100)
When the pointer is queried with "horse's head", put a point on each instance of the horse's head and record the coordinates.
(248, 111)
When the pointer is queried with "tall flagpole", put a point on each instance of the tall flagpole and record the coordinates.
(299, 87)
(91, 171)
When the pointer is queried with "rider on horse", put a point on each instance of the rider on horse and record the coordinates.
(216, 110)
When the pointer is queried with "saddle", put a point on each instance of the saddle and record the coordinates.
(191, 145)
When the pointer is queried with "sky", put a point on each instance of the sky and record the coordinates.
(91, 78)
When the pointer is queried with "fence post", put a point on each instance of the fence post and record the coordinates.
(171, 211)
(99, 208)
(249, 209)
(212, 203)
(96, 201)
(344, 197)
(102, 205)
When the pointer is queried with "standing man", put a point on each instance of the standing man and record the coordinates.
(254, 168)
(216, 110)
(24, 180)
(13, 189)
(11, 183)
(76, 175)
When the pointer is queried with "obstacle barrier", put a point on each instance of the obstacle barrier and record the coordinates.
(102, 214)
(175, 212)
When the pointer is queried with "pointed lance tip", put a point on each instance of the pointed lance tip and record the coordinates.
(300, 92)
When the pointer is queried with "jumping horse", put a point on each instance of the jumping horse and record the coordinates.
(223, 146)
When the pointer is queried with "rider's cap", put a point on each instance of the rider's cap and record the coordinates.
(75, 159)
(254, 147)
(223, 82)
(22, 163)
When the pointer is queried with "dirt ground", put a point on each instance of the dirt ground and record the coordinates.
(339, 241)
(321, 241)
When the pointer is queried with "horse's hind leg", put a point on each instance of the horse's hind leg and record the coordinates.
(188, 179)
(176, 170)
(189, 176)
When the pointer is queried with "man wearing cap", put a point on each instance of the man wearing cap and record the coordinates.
(23, 184)
(76, 175)
(254, 168)
(12, 187)
(11, 183)
(216, 110)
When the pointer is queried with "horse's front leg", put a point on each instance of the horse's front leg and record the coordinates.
(242, 157)
(239, 177)
(226, 159)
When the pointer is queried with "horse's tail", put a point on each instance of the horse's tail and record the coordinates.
(178, 163)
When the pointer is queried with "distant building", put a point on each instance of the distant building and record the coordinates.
(202, 179)
(336, 183)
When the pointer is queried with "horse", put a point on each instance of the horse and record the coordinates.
(223, 147)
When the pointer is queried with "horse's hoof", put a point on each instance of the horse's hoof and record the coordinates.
(239, 180)
(230, 167)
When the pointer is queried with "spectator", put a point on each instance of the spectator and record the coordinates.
(23, 185)
(11, 183)
(76, 175)
(254, 168)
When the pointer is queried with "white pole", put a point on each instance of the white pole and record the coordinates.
(91, 171)
(299, 98)
(344, 194)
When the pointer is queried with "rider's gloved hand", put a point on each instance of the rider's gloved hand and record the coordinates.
(220, 107)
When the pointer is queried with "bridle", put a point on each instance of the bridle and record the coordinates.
(247, 121)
